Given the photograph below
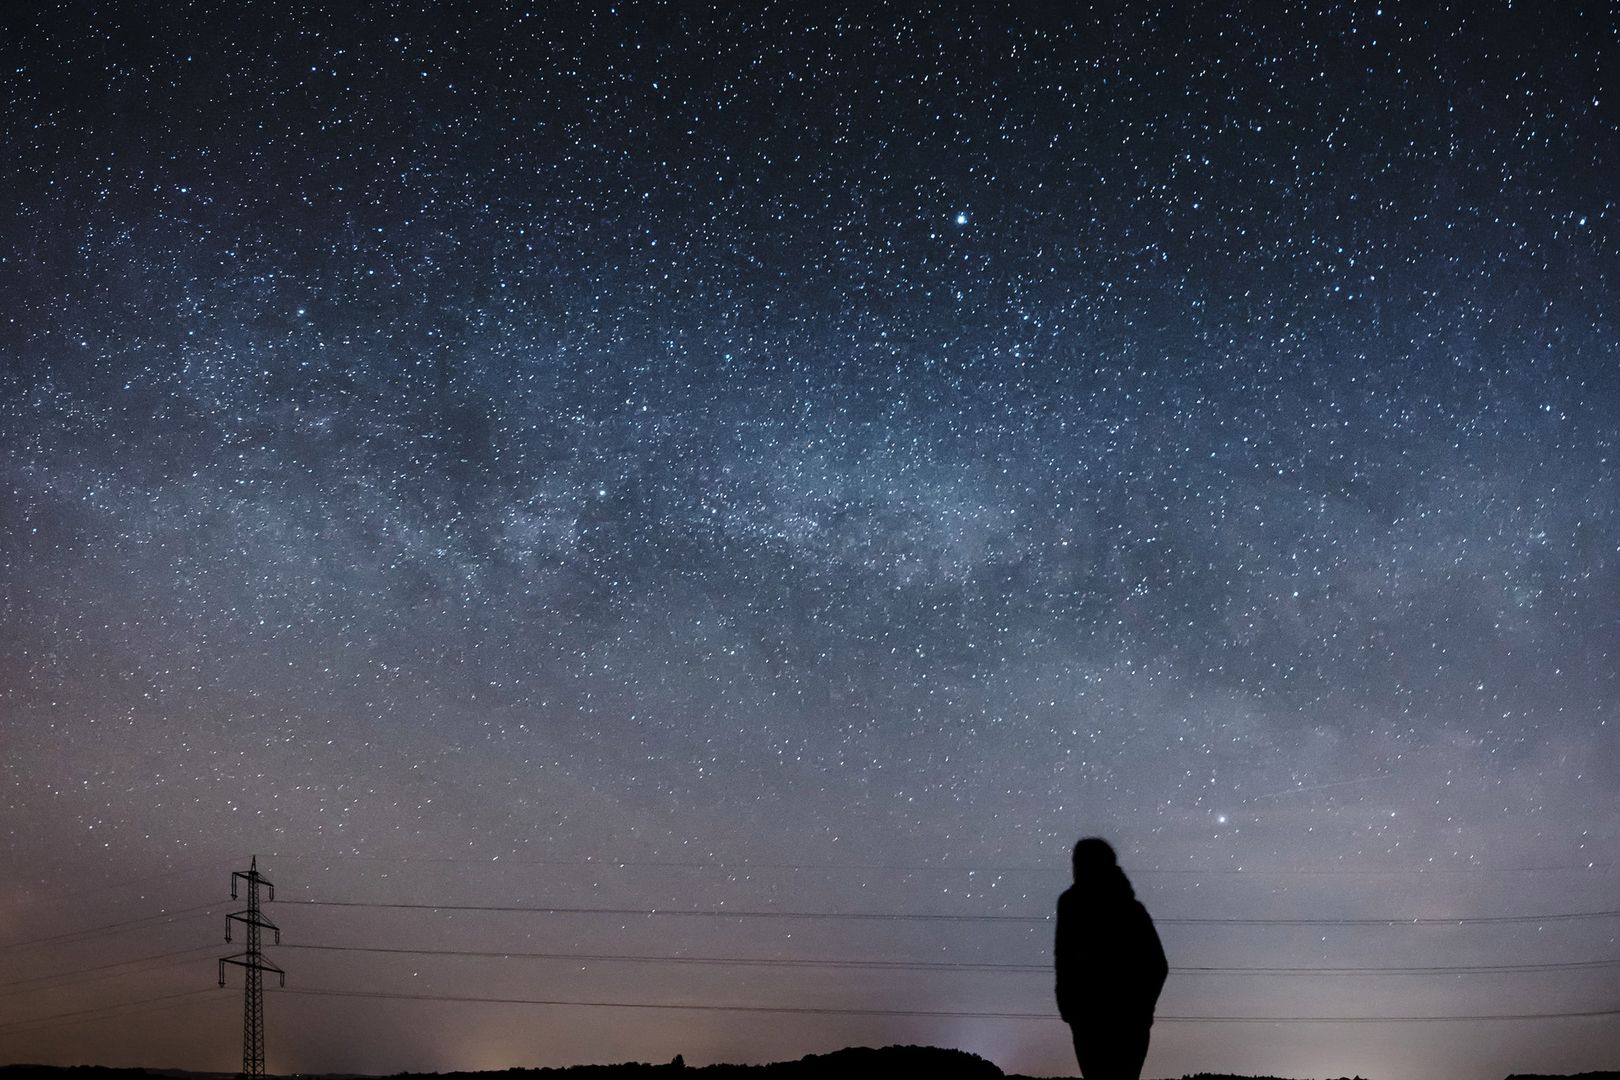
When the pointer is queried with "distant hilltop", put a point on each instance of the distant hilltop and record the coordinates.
(855, 1063)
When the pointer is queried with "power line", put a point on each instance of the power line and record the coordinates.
(685, 912)
(19, 986)
(105, 1009)
(1420, 969)
(167, 999)
(120, 883)
(947, 965)
(900, 916)
(1062, 871)
(107, 928)
(718, 961)
(938, 1013)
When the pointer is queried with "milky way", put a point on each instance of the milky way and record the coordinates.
(807, 461)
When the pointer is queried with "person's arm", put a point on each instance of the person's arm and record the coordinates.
(1157, 968)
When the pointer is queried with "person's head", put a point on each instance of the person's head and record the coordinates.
(1094, 859)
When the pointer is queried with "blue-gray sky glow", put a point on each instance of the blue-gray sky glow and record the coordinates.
(810, 460)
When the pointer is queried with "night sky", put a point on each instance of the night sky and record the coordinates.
(802, 460)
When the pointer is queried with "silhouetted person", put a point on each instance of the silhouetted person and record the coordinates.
(1110, 966)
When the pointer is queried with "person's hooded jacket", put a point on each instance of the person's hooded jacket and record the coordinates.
(1110, 964)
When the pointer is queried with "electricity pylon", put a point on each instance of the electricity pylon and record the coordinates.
(254, 963)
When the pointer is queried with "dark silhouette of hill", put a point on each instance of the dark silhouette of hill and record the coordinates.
(103, 1072)
(854, 1063)
(1223, 1076)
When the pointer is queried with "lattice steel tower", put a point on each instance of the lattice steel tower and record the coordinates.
(253, 962)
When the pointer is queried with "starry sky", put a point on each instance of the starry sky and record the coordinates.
(800, 459)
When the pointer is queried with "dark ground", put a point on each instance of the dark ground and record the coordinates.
(855, 1063)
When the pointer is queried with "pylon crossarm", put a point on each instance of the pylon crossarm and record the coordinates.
(250, 877)
(261, 965)
(252, 918)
